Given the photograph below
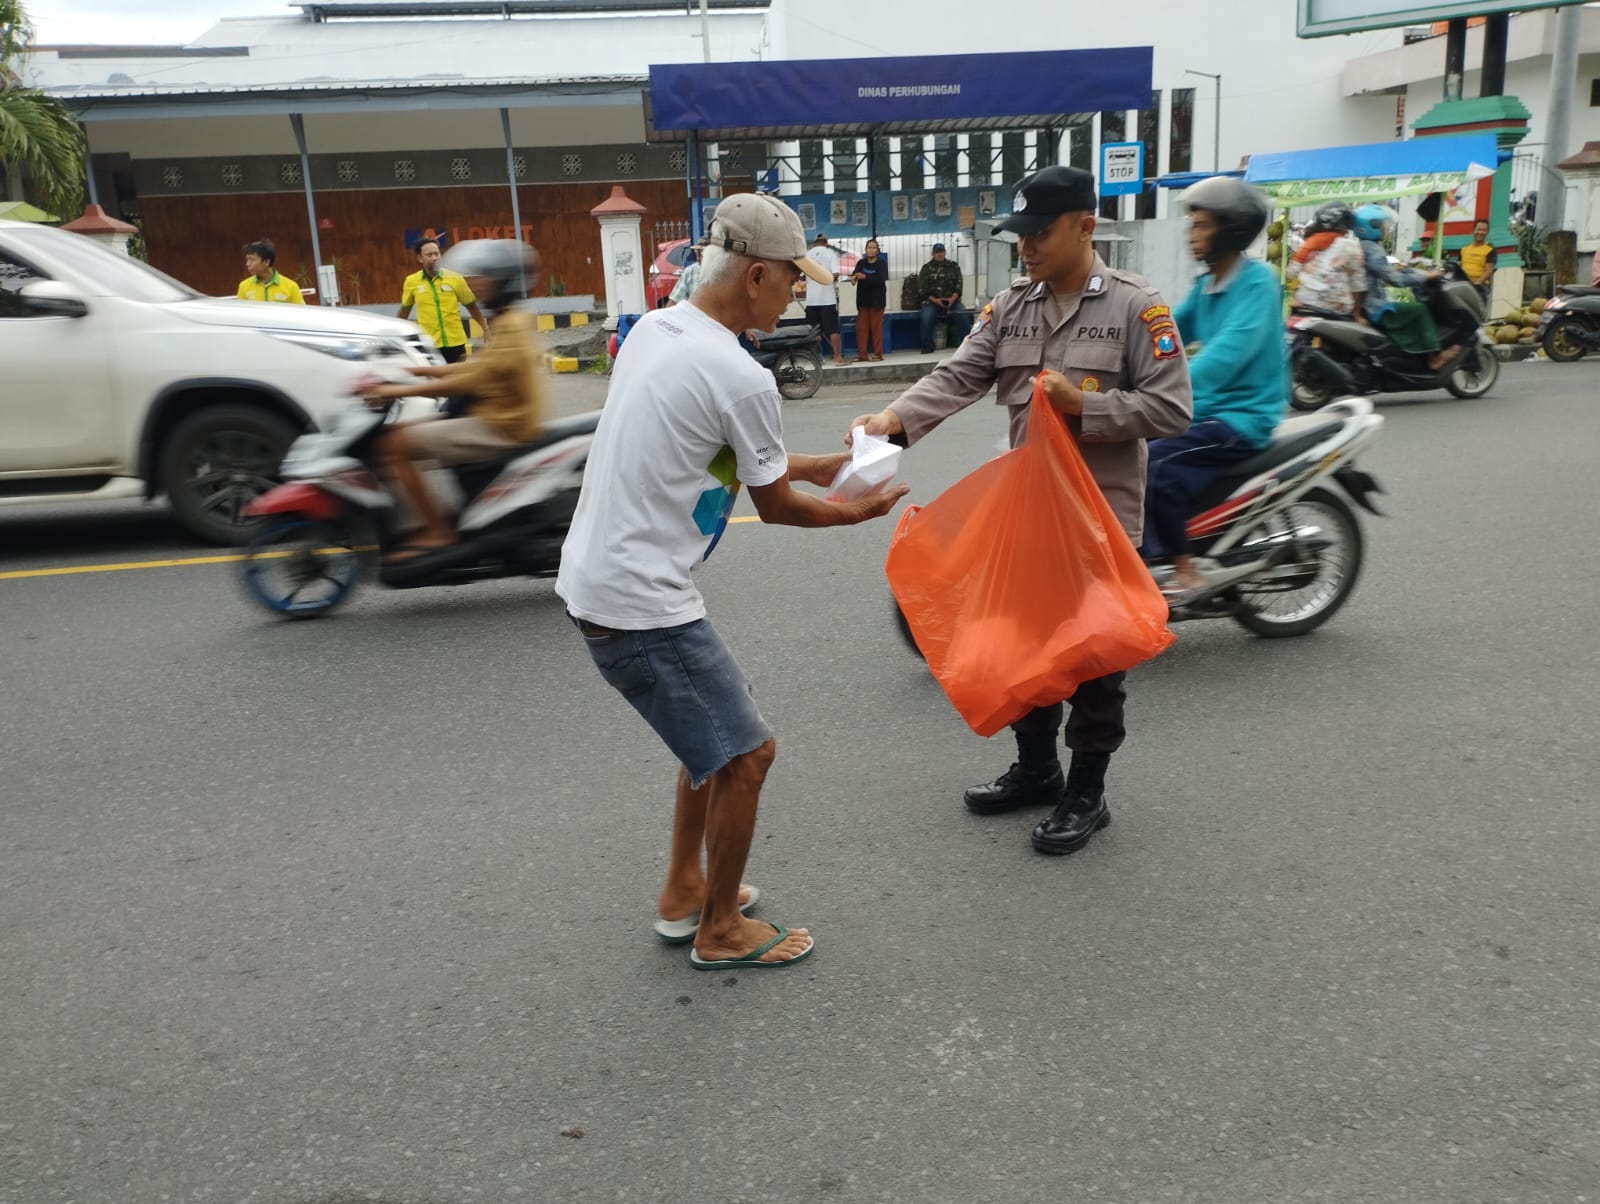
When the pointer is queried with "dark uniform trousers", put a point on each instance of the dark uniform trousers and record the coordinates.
(1093, 726)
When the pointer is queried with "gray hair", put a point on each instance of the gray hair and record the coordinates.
(718, 263)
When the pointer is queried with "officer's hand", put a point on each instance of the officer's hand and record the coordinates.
(1063, 394)
(886, 423)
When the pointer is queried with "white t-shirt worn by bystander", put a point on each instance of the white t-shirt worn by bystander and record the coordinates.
(823, 294)
(690, 416)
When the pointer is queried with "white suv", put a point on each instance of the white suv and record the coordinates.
(118, 381)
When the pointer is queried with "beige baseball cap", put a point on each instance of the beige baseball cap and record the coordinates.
(763, 227)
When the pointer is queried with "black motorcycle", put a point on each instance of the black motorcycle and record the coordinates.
(1332, 356)
(1569, 328)
(790, 354)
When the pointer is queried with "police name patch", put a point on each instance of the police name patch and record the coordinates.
(1155, 311)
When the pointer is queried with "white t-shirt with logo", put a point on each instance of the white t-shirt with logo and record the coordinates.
(690, 416)
(822, 294)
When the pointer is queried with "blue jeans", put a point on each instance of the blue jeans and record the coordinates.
(960, 322)
(686, 685)
(1180, 469)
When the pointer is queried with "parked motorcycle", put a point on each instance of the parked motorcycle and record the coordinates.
(320, 524)
(1276, 536)
(790, 353)
(1333, 356)
(1569, 328)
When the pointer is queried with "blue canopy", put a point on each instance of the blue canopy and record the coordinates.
(842, 97)
(1453, 153)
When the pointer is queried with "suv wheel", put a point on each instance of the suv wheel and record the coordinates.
(216, 462)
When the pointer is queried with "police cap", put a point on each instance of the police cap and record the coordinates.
(1045, 195)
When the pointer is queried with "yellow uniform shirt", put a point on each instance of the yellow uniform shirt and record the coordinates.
(279, 288)
(439, 300)
(1476, 260)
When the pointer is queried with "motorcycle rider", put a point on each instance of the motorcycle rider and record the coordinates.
(498, 393)
(1409, 324)
(1328, 270)
(1240, 381)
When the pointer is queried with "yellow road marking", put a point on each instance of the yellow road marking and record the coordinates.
(234, 558)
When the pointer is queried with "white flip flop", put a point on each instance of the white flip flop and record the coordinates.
(681, 932)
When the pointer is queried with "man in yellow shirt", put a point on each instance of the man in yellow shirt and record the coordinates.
(264, 283)
(438, 296)
(1478, 258)
(501, 387)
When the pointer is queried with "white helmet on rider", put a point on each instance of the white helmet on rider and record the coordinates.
(508, 265)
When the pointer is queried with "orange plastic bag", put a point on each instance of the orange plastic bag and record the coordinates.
(1019, 582)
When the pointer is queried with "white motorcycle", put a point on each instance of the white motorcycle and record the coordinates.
(317, 527)
(1276, 536)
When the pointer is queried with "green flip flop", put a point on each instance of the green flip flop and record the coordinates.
(752, 960)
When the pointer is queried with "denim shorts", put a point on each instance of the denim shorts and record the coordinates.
(688, 688)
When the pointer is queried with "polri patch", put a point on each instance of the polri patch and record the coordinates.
(1089, 384)
(983, 319)
(1166, 346)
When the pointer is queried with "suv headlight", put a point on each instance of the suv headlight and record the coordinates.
(354, 347)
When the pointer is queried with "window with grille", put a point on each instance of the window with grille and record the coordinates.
(461, 169)
(348, 172)
(1180, 131)
(519, 166)
(1150, 135)
(172, 177)
(571, 165)
(232, 175)
(405, 170)
(289, 173)
(627, 163)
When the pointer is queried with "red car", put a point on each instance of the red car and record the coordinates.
(668, 266)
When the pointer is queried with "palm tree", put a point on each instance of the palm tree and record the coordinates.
(39, 135)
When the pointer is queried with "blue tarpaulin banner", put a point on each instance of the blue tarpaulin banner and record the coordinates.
(1450, 153)
(881, 91)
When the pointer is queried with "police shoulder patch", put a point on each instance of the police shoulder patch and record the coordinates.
(983, 318)
(1165, 345)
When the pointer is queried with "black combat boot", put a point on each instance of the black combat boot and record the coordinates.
(1082, 810)
(1022, 785)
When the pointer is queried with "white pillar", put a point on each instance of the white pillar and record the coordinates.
(963, 162)
(788, 169)
(622, 255)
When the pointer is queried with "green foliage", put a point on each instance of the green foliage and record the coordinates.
(1533, 244)
(39, 136)
(558, 287)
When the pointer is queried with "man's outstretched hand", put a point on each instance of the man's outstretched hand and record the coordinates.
(886, 423)
(875, 505)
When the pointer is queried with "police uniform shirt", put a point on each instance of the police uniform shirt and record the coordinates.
(1115, 341)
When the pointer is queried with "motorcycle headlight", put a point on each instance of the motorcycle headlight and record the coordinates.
(1556, 303)
(354, 347)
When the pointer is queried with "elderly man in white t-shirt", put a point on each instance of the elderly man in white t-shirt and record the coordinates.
(689, 418)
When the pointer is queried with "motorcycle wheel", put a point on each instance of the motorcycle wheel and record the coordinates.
(799, 374)
(1278, 615)
(300, 568)
(1477, 374)
(1559, 344)
(1304, 394)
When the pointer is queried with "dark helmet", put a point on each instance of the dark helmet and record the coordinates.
(1333, 218)
(1241, 211)
(504, 262)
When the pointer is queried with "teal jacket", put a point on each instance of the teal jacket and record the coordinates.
(1240, 374)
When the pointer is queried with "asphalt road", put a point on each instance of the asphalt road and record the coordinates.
(357, 910)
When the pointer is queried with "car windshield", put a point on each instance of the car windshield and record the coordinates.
(113, 274)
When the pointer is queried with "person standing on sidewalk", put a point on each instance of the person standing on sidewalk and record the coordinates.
(690, 417)
(871, 277)
(438, 295)
(1105, 345)
(822, 300)
(264, 283)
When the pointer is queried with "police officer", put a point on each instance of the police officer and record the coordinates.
(1112, 362)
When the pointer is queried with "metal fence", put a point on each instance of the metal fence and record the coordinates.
(1532, 179)
(666, 232)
